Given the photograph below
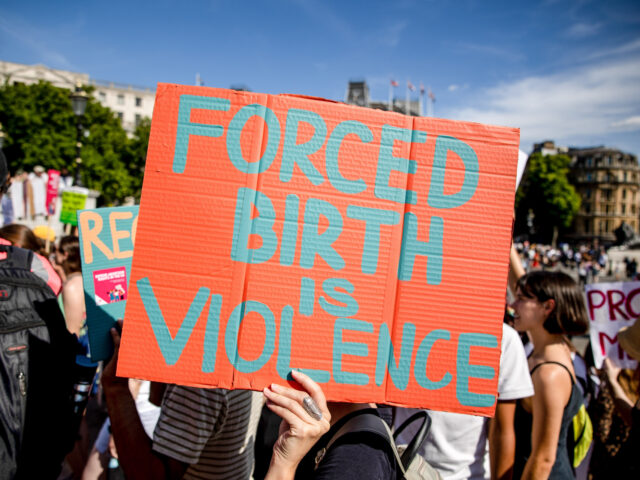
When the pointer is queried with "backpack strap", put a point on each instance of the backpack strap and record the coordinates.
(556, 363)
(364, 421)
(16, 257)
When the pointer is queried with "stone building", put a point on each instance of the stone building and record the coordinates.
(130, 104)
(358, 94)
(608, 182)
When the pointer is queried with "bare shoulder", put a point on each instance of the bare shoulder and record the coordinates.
(73, 284)
(552, 382)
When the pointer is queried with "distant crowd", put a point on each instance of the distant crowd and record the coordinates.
(27, 193)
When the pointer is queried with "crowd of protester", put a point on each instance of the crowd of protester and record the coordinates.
(133, 429)
(26, 199)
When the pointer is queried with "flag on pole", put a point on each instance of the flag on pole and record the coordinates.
(411, 86)
(421, 88)
(431, 95)
(394, 83)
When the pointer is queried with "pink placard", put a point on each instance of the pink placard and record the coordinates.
(52, 190)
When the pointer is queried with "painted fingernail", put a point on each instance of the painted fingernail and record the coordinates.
(312, 407)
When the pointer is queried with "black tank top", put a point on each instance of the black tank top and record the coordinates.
(562, 469)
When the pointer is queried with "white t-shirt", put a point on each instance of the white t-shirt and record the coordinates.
(457, 443)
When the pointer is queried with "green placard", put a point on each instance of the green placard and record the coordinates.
(73, 199)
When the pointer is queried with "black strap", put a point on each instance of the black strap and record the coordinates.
(556, 363)
(365, 421)
(16, 257)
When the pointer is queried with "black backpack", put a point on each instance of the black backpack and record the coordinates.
(37, 367)
(411, 464)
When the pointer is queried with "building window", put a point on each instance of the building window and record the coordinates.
(138, 119)
(633, 209)
(587, 193)
(587, 208)
(119, 115)
(102, 96)
(589, 162)
(588, 177)
(623, 208)
(120, 99)
(624, 192)
(138, 101)
(624, 176)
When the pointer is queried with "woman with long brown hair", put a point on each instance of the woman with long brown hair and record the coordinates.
(549, 306)
(68, 256)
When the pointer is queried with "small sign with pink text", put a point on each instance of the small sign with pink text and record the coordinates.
(110, 285)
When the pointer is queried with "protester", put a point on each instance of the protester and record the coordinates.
(68, 257)
(38, 187)
(21, 236)
(201, 433)
(309, 423)
(548, 306)
(17, 194)
(617, 414)
(457, 443)
(36, 367)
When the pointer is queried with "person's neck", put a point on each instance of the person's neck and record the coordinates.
(543, 340)
(340, 409)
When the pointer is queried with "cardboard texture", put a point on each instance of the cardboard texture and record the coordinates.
(611, 306)
(106, 236)
(73, 199)
(366, 248)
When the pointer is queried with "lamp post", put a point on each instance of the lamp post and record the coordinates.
(79, 100)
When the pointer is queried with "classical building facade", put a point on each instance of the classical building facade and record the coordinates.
(608, 182)
(130, 104)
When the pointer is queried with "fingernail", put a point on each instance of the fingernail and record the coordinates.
(275, 387)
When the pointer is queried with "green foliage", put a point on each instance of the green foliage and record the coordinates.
(547, 193)
(40, 129)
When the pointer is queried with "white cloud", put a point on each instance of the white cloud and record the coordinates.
(630, 123)
(590, 101)
(629, 47)
(582, 30)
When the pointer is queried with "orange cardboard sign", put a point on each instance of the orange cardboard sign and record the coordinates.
(366, 248)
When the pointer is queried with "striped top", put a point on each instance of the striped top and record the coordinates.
(213, 430)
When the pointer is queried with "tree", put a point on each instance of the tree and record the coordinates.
(137, 154)
(546, 193)
(41, 130)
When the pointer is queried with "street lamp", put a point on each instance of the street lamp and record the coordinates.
(79, 99)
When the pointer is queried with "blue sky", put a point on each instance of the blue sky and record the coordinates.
(558, 69)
